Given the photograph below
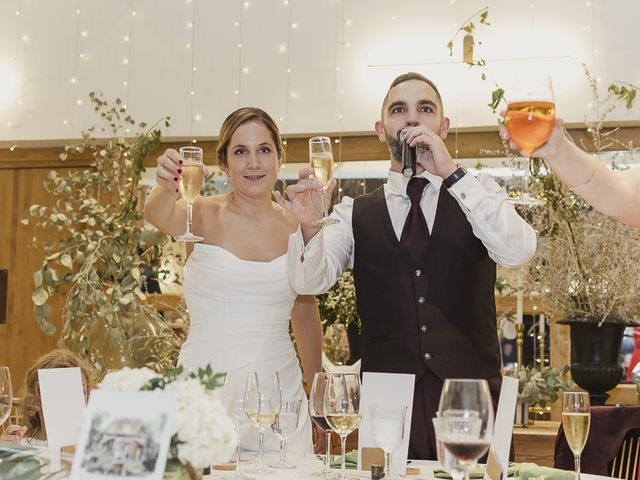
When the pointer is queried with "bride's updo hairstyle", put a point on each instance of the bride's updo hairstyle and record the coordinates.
(240, 117)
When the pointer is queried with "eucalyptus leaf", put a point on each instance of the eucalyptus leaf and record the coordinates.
(39, 296)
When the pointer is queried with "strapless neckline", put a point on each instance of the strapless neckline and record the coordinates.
(198, 246)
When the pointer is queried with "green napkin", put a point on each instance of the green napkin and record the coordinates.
(478, 472)
(527, 471)
(350, 460)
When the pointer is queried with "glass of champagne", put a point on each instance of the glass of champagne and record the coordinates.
(233, 400)
(530, 118)
(286, 423)
(262, 403)
(190, 185)
(6, 394)
(576, 419)
(342, 408)
(317, 412)
(387, 425)
(321, 158)
(466, 413)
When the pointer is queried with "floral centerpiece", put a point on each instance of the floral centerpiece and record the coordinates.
(203, 432)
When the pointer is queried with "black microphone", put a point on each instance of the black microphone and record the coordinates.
(409, 155)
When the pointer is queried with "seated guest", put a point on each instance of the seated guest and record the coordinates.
(33, 432)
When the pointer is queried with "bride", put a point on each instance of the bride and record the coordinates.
(235, 281)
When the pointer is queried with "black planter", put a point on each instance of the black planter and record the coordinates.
(595, 356)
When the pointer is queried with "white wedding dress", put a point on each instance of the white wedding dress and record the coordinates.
(239, 312)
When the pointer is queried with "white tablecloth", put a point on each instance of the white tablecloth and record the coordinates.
(309, 464)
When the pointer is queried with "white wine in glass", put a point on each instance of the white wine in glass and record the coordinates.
(190, 185)
(576, 420)
(321, 159)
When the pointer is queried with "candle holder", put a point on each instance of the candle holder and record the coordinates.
(519, 342)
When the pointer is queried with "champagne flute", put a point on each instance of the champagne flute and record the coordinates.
(262, 403)
(321, 159)
(233, 400)
(466, 413)
(342, 408)
(387, 425)
(317, 412)
(286, 423)
(576, 420)
(530, 119)
(190, 185)
(6, 394)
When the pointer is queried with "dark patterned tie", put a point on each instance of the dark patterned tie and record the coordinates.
(415, 233)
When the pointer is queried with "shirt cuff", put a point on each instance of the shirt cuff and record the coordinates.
(468, 191)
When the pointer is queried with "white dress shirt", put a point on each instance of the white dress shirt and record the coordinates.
(510, 241)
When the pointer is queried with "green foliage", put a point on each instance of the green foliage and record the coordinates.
(96, 262)
(338, 305)
(540, 387)
(206, 376)
(625, 92)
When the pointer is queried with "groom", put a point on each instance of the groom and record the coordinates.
(423, 253)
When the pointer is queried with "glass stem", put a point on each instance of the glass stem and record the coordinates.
(283, 449)
(189, 217)
(577, 463)
(387, 464)
(466, 473)
(327, 458)
(343, 449)
(260, 444)
(525, 187)
(325, 214)
(238, 456)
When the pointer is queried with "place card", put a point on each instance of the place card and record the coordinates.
(498, 459)
(385, 389)
(125, 435)
(63, 403)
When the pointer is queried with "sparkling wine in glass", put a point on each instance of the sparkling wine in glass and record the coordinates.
(317, 412)
(190, 185)
(6, 394)
(466, 413)
(342, 408)
(285, 424)
(387, 425)
(321, 159)
(576, 419)
(233, 400)
(262, 403)
(530, 118)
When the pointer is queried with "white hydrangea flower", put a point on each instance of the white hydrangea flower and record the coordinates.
(127, 379)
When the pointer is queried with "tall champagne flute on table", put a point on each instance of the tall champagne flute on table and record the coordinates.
(466, 420)
(318, 417)
(576, 420)
(342, 408)
(6, 394)
(530, 119)
(190, 185)
(262, 403)
(321, 159)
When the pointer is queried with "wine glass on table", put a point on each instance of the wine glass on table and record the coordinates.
(576, 420)
(6, 394)
(190, 185)
(530, 118)
(466, 420)
(342, 408)
(285, 424)
(387, 425)
(448, 462)
(321, 159)
(317, 412)
(233, 400)
(262, 403)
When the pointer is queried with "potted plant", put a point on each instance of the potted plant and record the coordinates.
(101, 248)
(537, 387)
(338, 308)
(587, 264)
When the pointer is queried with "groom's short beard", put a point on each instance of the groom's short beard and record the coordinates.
(395, 146)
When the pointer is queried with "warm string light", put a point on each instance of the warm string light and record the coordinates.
(284, 121)
(74, 76)
(126, 61)
(18, 61)
(242, 70)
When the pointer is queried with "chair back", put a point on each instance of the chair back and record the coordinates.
(625, 463)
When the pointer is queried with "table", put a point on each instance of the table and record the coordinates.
(535, 443)
(307, 465)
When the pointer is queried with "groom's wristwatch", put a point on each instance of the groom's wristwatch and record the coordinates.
(451, 180)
